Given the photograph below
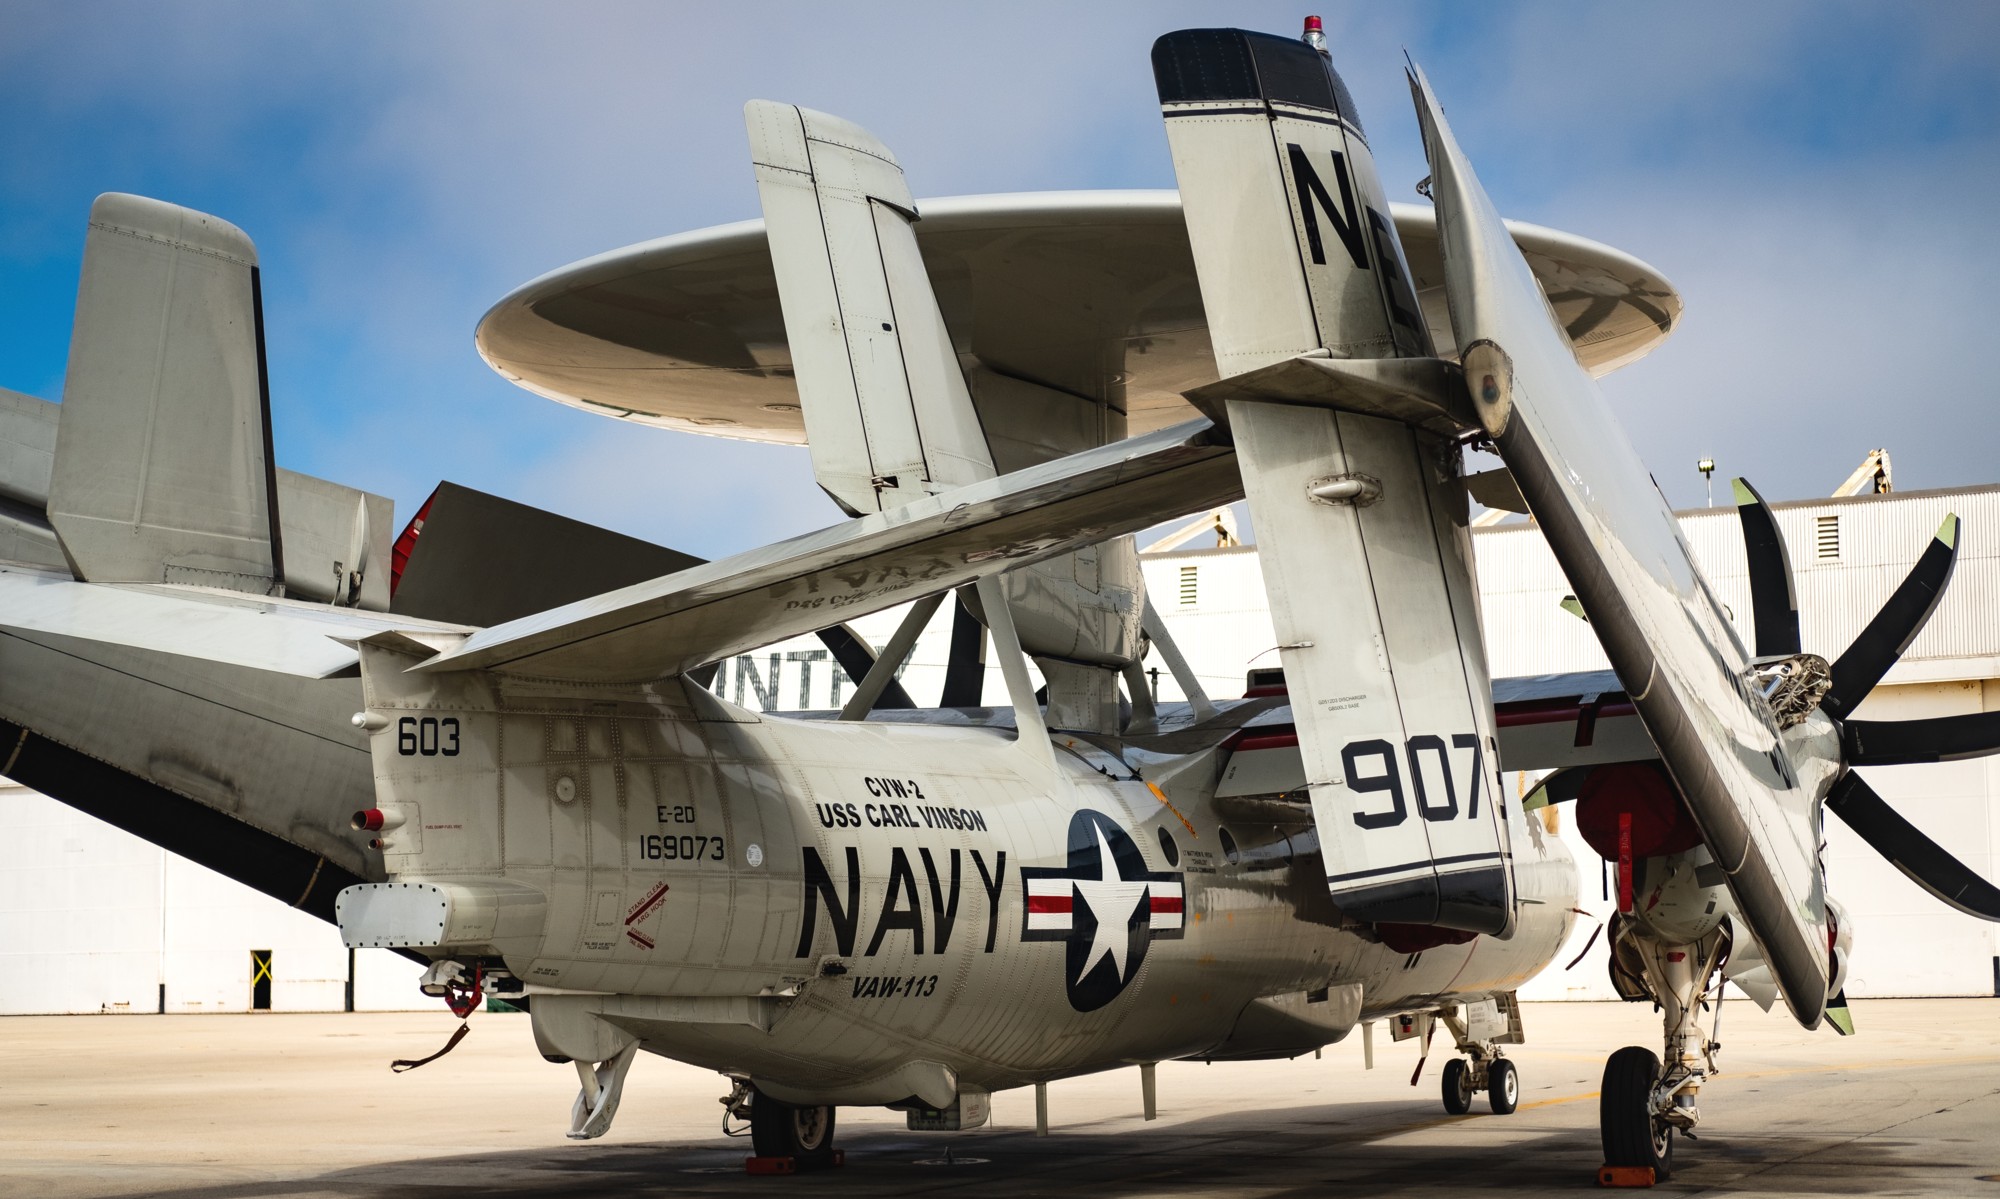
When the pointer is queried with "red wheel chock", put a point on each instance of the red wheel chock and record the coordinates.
(792, 1165)
(1625, 1176)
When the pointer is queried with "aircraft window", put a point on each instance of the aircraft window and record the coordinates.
(1230, 853)
(1170, 849)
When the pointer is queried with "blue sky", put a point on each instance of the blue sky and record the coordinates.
(1816, 178)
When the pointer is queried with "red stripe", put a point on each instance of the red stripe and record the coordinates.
(1271, 741)
(1049, 904)
(640, 939)
(1166, 905)
(645, 905)
(1509, 716)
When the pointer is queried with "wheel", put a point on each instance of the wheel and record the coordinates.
(1457, 1087)
(1503, 1086)
(1632, 1137)
(779, 1129)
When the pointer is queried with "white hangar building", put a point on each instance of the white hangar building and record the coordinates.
(93, 919)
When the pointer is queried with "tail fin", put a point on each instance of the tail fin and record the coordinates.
(888, 416)
(1360, 518)
(163, 468)
(1290, 230)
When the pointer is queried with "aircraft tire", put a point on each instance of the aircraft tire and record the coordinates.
(1503, 1086)
(1457, 1087)
(1625, 1117)
(779, 1129)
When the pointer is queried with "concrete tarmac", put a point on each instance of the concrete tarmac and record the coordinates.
(304, 1106)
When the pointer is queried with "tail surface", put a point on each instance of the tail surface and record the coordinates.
(1350, 473)
(163, 470)
(888, 415)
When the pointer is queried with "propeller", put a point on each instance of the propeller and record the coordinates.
(1928, 864)
(1849, 680)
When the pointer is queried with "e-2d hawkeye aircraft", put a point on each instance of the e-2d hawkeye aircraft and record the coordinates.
(910, 907)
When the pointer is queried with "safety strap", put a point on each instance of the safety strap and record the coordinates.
(401, 1065)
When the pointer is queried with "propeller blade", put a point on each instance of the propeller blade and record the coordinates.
(1937, 739)
(857, 659)
(1774, 603)
(1839, 1015)
(1924, 860)
(1896, 625)
(965, 671)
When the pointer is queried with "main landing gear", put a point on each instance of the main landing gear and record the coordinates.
(1497, 1077)
(1478, 1030)
(784, 1137)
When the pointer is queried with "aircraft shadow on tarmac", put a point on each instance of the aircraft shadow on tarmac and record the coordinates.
(1281, 1151)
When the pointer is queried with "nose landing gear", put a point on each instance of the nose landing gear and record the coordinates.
(1646, 1102)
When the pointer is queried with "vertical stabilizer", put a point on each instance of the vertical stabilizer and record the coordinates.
(1361, 520)
(162, 468)
(887, 412)
(1287, 220)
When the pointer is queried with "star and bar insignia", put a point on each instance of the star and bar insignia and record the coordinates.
(1105, 904)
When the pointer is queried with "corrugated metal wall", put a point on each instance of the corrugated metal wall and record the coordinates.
(1874, 539)
(93, 919)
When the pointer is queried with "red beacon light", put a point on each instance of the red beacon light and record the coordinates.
(1315, 34)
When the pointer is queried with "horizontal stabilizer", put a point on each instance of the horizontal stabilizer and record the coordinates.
(1425, 392)
(670, 625)
(162, 470)
(286, 636)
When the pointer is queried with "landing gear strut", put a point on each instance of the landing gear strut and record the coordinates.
(1647, 1100)
(1477, 1035)
(780, 1130)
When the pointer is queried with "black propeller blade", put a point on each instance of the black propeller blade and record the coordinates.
(857, 659)
(1895, 626)
(965, 672)
(1773, 602)
(1937, 739)
(1922, 859)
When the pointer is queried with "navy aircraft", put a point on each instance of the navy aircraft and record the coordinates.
(490, 743)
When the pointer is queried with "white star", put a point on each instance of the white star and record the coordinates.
(1112, 900)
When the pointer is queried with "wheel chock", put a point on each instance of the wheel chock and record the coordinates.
(792, 1165)
(1622, 1176)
